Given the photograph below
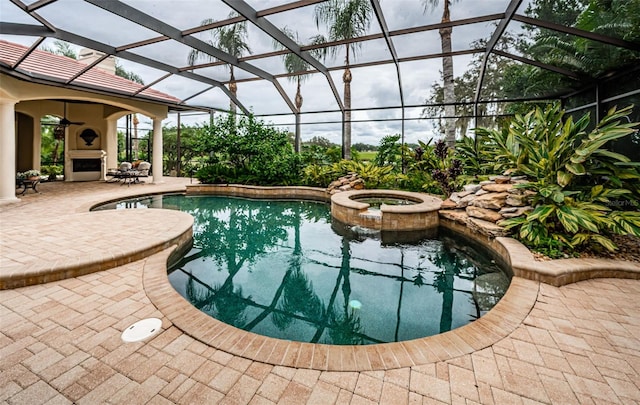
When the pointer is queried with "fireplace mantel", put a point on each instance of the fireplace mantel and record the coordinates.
(86, 155)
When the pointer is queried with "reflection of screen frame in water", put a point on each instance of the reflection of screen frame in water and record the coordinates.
(355, 239)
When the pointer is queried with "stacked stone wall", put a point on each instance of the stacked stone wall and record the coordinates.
(346, 183)
(482, 206)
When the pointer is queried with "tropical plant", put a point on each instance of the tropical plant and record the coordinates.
(501, 147)
(232, 39)
(574, 177)
(419, 164)
(473, 154)
(448, 170)
(317, 175)
(345, 19)
(374, 176)
(296, 67)
(447, 70)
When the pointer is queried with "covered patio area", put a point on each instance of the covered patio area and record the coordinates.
(60, 341)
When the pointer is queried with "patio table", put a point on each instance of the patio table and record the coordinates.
(28, 184)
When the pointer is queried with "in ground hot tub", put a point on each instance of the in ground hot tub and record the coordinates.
(414, 211)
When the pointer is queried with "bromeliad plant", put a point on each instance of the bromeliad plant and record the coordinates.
(448, 169)
(574, 176)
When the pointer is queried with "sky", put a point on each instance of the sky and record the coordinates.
(371, 87)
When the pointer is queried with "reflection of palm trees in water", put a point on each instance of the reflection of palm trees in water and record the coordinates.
(295, 293)
(225, 241)
(299, 298)
(226, 301)
(344, 323)
(453, 265)
(227, 235)
(231, 243)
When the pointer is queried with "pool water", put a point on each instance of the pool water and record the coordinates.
(376, 202)
(283, 269)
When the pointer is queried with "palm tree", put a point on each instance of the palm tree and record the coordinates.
(345, 19)
(295, 65)
(447, 71)
(61, 48)
(231, 39)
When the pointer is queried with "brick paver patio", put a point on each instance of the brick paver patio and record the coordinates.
(60, 343)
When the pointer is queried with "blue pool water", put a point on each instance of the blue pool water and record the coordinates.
(284, 269)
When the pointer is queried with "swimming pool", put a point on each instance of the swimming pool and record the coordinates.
(284, 269)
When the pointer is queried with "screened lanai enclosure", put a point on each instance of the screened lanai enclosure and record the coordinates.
(418, 68)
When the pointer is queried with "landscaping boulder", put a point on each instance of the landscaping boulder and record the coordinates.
(502, 179)
(493, 201)
(448, 204)
(516, 200)
(486, 228)
(484, 214)
(497, 188)
(472, 187)
(512, 212)
(481, 206)
(466, 200)
(458, 216)
(345, 183)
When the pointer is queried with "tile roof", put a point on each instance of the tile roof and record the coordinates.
(61, 69)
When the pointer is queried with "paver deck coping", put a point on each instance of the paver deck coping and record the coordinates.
(167, 231)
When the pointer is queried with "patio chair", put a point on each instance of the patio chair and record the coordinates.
(133, 175)
(142, 171)
(122, 172)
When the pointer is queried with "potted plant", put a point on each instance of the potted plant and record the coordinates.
(19, 178)
(32, 174)
(52, 172)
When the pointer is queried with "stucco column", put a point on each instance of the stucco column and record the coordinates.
(7, 150)
(157, 153)
(37, 142)
(110, 143)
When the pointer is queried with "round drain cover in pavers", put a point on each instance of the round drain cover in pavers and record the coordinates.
(142, 330)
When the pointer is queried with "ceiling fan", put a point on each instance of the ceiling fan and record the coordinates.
(65, 122)
(59, 130)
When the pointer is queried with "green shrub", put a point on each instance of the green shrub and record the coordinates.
(574, 178)
(317, 175)
(246, 151)
(216, 173)
(51, 170)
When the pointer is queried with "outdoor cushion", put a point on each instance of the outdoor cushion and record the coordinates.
(124, 167)
(143, 168)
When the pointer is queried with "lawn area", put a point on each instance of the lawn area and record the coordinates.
(368, 155)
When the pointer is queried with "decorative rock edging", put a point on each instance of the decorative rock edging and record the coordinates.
(346, 183)
(481, 206)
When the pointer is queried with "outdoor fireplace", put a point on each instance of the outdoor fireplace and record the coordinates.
(87, 165)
